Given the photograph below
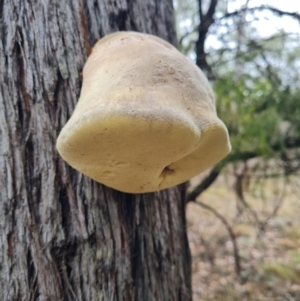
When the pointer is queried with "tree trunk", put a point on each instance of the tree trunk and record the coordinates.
(62, 235)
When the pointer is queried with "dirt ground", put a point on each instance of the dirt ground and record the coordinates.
(270, 258)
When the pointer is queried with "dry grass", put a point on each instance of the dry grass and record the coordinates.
(270, 258)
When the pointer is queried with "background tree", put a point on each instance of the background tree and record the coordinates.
(63, 236)
(250, 51)
(253, 75)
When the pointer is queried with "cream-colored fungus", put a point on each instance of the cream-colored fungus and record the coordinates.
(146, 117)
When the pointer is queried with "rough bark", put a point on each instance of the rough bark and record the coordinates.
(63, 236)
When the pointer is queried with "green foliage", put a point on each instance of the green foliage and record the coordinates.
(256, 78)
(261, 117)
(275, 270)
(295, 257)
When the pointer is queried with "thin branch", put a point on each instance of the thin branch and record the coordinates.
(240, 195)
(205, 22)
(200, 10)
(260, 8)
(216, 170)
(203, 185)
(211, 10)
(186, 34)
(214, 173)
(277, 206)
(271, 75)
(209, 252)
(259, 45)
(236, 255)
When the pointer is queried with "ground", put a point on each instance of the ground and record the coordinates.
(270, 258)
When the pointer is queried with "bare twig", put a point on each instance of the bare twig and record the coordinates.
(240, 194)
(260, 43)
(240, 35)
(236, 255)
(203, 185)
(185, 35)
(277, 206)
(260, 8)
(200, 10)
(205, 22)
(214, 173)
(209, 252)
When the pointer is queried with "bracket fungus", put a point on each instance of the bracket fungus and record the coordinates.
(146, 118)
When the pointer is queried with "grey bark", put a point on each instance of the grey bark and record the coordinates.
(62, 235)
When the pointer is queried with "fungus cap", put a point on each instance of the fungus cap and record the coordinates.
(146, 117)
